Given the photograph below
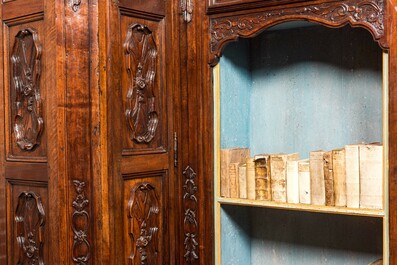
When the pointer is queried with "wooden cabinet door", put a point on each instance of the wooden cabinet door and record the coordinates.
(143, 186)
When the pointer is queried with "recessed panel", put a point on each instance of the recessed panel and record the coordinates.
(143, 86)
(143, 6)
(21, 8)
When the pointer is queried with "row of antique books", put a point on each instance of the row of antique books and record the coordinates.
(347, 177)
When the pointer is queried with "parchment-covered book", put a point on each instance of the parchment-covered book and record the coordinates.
(317, 183)
(250, 178)
(233, 180)
(242, 181)
(304, 181)
(292, 181)
(339, 169)
(352, 176)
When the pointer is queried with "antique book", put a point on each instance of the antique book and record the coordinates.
(233, 180)
(304, 181)
(317, 183)
(230, 155)
(278, 176)
(329, 179)
(242, 181)
(352, 176)
(262, 177)
(371, 176)
(250, 178)
(292, 181)
(339, 169)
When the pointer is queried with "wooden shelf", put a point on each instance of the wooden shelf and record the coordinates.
(303, 207)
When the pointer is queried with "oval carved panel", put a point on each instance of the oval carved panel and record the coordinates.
(24, 84)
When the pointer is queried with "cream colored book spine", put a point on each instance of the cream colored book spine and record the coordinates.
(329, 179)
(339, 166)
(317, 183)
(292, 181)
(278, 166)
(262, 178)
(233, 175)
(250, 178)
(242, 181)
(352, 176)
(371, 176)
(304, 181)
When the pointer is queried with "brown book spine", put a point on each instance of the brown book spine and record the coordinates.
(329, 179)
(317, 184)
(233, 175)
(262, 178)
(250, 179)
(339, 166)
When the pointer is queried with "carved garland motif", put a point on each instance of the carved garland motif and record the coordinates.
(141, 53)
(24, 84)
(369, 14)
(30, 221)
(143, 220)
(80, 224)
(190, 221)
(187, 10)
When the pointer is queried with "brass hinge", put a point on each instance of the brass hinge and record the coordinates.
(187, 10)
(175, 149)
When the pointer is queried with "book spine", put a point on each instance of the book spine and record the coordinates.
(329, 179)
(304, 182)
(339, 167)
(292, 182)
(224, 178)
(242, 181)
(352, 176)
(234, 188)
(250, 179)
(317, 183)
(278, 164)
(262, 180)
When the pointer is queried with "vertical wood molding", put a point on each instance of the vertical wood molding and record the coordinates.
(190, 204)
(143, 221)
(141, 54)
(30, 221)
(80, 225)
(26, 104)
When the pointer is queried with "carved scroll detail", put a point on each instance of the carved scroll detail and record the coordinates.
(75, 5)
(25, 83)
(190, 221)
(30, 221)
(80, 224)
(187, 10)
(143, 220)
(368, 14)
(141, 53)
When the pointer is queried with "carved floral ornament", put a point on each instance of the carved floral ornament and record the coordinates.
(30, 221)
(141, 54)
(143, 220)
(368, 14)
(25, 92)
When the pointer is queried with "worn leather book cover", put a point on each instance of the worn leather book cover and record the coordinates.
(262, 177)
(329, 179)
(250, 178)
(339, 169)
(317, 183)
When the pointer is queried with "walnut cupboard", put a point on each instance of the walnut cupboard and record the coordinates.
(107, 129)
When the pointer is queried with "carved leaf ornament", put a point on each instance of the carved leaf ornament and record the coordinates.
(24, 83)
(141, 53)
(30, 221)
(368, 14)
(143, 216)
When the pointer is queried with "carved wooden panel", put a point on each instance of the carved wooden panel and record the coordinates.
(30, 221)
(190, 204)
(145, 232)
(27, 217)
(367, 14)
(25, 93)
(25, 85)
(80, 225)
(143, 87)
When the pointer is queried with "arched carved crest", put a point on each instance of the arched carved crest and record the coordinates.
(367, 14)
(25, 89)
(141, 54)
(30, 220)
(143, 220)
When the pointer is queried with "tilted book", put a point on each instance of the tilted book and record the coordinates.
(278, 169)
(292, 181)
(371, 176)
(317, 183)
(242, 181)
(304, 181)
(230, 155)
(329, 179)
(262, 177)
(352, 176)
(250, 178)
(339, 169)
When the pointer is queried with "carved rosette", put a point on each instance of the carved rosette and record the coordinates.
(80, 225)
(30, 221)
(143, 220)
(26, 107)
(368, 14)
(190, 222)
(141, 54)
